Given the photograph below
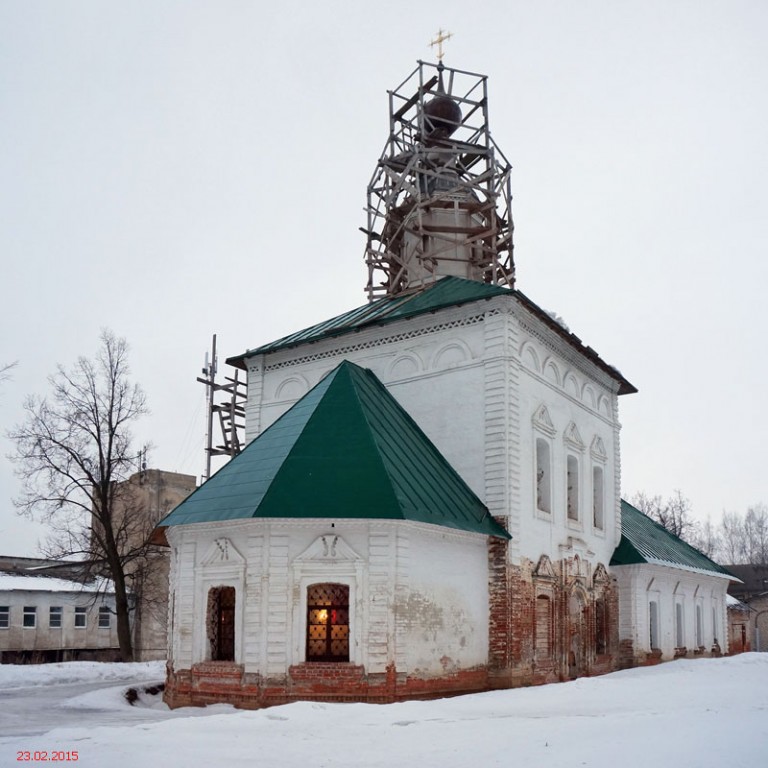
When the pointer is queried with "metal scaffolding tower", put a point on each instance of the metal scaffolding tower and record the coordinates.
(439, 200)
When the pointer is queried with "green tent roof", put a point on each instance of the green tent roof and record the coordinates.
(645, 541)
(445, 292)
(347, 449)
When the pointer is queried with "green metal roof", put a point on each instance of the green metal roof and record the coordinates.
(446, 292)
(645, 541)
(347, 449)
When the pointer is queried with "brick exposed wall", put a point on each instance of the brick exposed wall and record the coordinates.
(213, 682)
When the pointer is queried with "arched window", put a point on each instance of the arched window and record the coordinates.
(679, 627)
(543, 476)
(653, 621)
(601, 626)
(572, 477)
(221, 623)
(597, 497)
(328, 622)
(699, 627)
(543, 628)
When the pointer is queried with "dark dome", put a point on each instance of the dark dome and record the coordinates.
(442, 116)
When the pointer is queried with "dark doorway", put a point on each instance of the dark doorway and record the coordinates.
(221, 623)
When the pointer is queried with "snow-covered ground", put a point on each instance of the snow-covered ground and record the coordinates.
(686, 714)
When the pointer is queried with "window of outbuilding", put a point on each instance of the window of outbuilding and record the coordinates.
(679, 629)
(699, 627)
(81, 617)
(221, 623)
(328, 622)
(54, 616)
(105, 617)
(30, 616)
(5, 616)
(653, 622)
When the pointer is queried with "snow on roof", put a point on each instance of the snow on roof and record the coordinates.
(732, 602)
(18, 582)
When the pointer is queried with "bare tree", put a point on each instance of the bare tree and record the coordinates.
(5, 370)
(673, 513)
(706, 538)
(732, 538)
(74, 451)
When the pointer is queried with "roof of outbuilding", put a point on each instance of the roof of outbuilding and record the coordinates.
(645, 541)
(446, 292)
(346, 450)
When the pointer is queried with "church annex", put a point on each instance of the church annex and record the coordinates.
(429, 501)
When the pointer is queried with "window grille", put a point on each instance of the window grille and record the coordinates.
(54, 616)
(5, 616)
(105, 617)
(328, 622)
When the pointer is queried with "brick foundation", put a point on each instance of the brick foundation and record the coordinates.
(213, 682)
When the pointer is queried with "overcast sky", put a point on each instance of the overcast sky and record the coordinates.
(174, 169)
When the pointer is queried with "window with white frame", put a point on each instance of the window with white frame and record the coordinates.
(105, 617)
(653, 623)
(543, 476)
(81, 617)
(572, 487)
(54, 616)
(598, 498)
(5, 616)
(699, 627)
(29, 619)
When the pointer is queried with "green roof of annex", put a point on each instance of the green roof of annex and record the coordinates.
(445, 292)
(346, 450)
(645, 541)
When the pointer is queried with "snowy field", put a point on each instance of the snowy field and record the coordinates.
(699, 714)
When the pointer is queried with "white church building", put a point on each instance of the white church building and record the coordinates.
(429, 501)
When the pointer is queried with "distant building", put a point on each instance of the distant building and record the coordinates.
(47, 619)
(753, 592)
(153, 494)
(51, 610)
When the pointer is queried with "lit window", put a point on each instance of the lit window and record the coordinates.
(328, 622)
(543, 476)
(30, 616)
(5, 616)
(105, 617)
(572, 477)
(597, 497)
(54, 617)
(81, 615)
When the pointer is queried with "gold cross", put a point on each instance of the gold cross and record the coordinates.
(438, 41)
